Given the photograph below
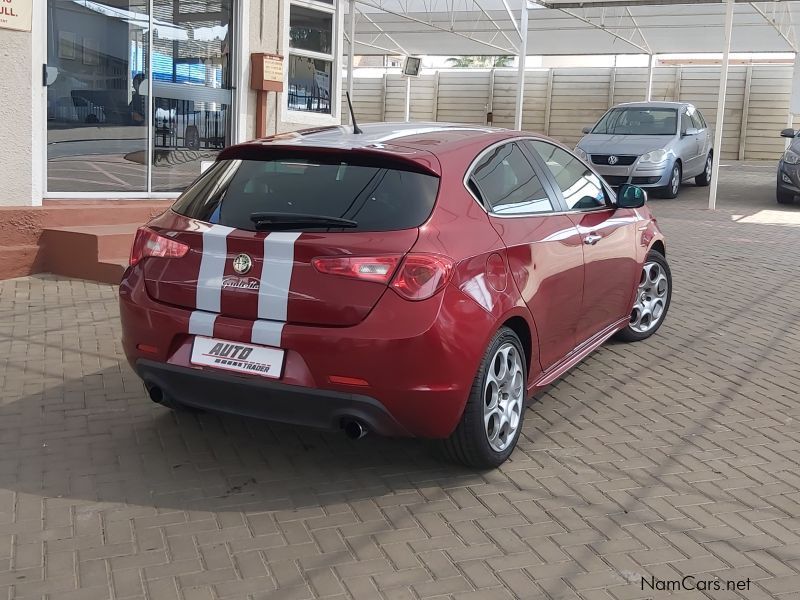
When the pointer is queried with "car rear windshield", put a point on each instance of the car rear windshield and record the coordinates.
(638, 120)
(375, 197)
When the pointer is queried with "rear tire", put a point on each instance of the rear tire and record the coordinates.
(492, 420)
(704, 179)
(784, 197)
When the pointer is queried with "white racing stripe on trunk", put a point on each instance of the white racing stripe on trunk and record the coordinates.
(209, 280)
(273, 293)
(267, 333)
(202, 323)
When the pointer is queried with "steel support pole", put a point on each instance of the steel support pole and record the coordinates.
(351, 50)
(650, 70)
(723, 87)
(408, 99)
(523, 52)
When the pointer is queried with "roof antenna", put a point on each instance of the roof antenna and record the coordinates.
(356, 128)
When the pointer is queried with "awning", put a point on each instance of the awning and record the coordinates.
(561, 27)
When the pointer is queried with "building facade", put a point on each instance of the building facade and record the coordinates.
(129, 98)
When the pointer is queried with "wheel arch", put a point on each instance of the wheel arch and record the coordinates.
(520, 326)
(660, 247)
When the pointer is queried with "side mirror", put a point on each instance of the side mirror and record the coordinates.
(586, 130)
(690, 131)
(788, 133)
(631, 196)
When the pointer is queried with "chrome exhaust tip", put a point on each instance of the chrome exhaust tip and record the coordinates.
(354, 430)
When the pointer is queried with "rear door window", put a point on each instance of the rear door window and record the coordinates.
(377, 198)
(507, 184)
(697, 121)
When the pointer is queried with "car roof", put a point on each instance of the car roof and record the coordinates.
(421, 143)
(656, 104)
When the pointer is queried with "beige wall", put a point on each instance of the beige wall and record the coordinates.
(561, 101)
(265, 34)
(21, 117)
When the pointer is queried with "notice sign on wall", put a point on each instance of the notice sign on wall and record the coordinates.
(16, 14)
(266, 72)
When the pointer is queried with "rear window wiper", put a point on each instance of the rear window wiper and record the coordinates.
(276, 220)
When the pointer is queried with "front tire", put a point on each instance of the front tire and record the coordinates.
(492, 420)
(784, 197)
(674, 186)
(653, 296)
(704, 179)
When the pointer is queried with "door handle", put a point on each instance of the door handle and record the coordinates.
(592, 239)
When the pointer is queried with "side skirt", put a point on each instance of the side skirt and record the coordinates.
(576, 356)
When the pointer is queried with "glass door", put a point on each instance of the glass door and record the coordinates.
(126, 121)
(97, 117)
(192, 75)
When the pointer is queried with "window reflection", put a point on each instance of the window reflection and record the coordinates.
(191, 88)
(309, 84)
(507, 182)
(580, 187)
(99, 108)
(96, 124)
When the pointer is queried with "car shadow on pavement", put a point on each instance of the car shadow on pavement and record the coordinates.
(101, 440)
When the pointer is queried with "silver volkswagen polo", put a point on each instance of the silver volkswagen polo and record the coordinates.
(656, 145)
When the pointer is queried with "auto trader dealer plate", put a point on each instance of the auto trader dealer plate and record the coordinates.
(238, 357)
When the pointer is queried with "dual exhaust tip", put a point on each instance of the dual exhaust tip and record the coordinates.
(353, 428)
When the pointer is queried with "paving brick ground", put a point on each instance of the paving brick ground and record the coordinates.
(678, 456)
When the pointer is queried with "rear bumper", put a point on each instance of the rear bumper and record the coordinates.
(265, 399)
(416, 359)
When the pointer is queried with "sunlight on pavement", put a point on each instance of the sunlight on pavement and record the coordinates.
(770, 217)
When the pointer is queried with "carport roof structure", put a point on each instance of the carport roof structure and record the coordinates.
(560, 27)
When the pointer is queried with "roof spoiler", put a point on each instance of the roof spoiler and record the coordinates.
(368, 156)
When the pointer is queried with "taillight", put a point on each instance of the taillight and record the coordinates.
(418, 277)
(149, 243)
(422, 275)
(369, 268)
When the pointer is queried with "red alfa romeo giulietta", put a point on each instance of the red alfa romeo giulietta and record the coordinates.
(411, 279)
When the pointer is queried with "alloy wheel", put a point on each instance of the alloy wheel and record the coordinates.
(503, 395)
(675, 182)
(651, 298)
(709, 163)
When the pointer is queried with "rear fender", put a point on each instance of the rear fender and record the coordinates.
(487, 281)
